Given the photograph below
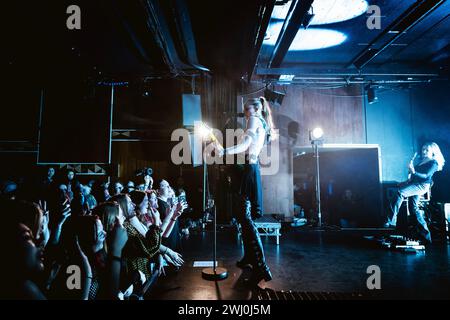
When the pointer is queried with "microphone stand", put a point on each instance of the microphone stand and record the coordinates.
(215, 273)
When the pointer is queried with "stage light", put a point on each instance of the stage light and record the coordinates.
(275, 97)
(203, 130)
(307, 19)
(328, 11)
(371, 94)
(286, 77)
(309, 39)
(146, 90)
(317, 133)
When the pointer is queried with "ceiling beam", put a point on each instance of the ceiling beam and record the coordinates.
(413, 15)
(159, 28)
(291, 25)
(335, 71)
(264, 14)
(187, 39)
(441, 55)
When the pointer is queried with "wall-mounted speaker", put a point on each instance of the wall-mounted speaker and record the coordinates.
(192, 109)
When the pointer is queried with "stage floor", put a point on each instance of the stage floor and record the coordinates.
(312, 261)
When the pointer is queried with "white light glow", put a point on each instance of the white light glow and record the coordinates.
(332, 11)
(317, 133)
(328, 11)
(286, 77)
(309, 39)
(280, 12)
(203, 130)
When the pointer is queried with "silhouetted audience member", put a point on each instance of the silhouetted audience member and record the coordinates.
(118, 188)
(168, 204)
(348, 209)
(92, 250)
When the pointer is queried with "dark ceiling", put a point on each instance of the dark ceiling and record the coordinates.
(123, 39)
(413, 40)
(417, 45)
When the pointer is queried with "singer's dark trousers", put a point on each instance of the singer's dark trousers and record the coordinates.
(250, 208)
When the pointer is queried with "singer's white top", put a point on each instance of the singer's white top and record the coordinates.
(252, 141)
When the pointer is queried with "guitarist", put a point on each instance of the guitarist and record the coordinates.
(259, 130)
(418, 184)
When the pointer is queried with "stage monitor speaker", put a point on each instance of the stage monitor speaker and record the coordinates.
(192, 113)
(350, 184)
(192, 110)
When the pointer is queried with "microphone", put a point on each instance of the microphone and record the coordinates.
(231, 115)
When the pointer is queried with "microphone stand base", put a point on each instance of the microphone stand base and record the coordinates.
(213, 275)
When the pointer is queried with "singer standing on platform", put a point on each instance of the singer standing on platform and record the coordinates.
(259, 130)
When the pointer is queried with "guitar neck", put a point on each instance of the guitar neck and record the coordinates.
(412, 162)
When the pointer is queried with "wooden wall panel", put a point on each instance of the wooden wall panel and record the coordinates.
(132, 156)
(339, 112)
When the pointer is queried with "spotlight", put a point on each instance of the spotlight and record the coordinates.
(316, 134)
(309, 39)
(203, 130)
(307, 19)
(371, 94)
(275, 97)
(146, 90)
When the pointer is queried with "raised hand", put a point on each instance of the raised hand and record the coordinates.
(66, 211)
(174, 257)
(181, 206)
(44, 233)
(85, 269)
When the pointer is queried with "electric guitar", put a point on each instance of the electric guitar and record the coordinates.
(412, 163)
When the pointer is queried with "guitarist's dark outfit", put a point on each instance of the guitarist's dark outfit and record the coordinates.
(418, 185)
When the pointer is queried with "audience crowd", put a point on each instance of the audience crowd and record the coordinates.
(68, 240)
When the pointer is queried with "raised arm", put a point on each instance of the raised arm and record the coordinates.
(171, 218)
(247, 138)
(117, 240)
(168, 222)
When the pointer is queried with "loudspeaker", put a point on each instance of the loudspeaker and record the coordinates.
(75, 124)
(349, 182)
(192, 110)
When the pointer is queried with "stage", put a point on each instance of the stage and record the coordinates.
(311, 261)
